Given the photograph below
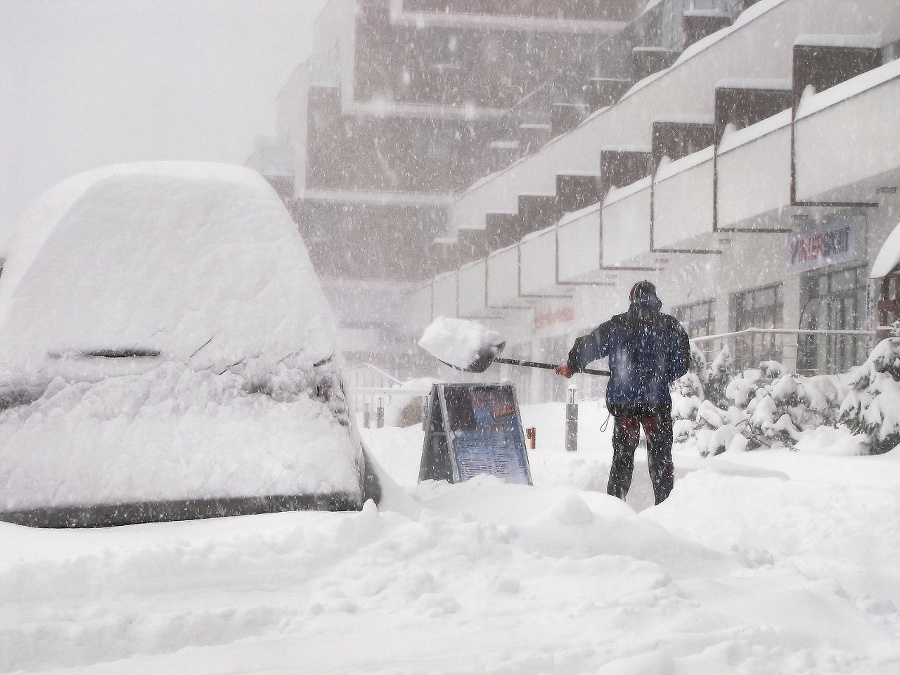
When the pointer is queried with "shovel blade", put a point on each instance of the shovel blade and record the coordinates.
(485, 358)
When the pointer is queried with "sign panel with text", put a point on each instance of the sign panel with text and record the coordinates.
(830, 243)
(473, 429)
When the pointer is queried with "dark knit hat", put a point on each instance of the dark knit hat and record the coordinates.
(642, 289)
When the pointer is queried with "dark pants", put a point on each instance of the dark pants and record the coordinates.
(657, 423)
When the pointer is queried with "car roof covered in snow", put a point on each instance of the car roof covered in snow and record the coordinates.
(199, 262)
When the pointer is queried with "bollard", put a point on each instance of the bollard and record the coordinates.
(571, 421)
(367, 414)
(531, 435)
(379, 414)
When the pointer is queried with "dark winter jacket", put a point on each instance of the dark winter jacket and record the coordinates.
(647, 349)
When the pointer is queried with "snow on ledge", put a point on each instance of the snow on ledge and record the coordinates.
(595, 114)
(471, 265)
(743, 19)
(572, 216)
(537, 234)
(669, 169)
(848, 89)
(617, 194)
(755, 131)
(500, 251)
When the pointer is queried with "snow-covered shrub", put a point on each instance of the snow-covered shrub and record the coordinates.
(764, 407)
(873, 405)
(687, 395)
(719, 373)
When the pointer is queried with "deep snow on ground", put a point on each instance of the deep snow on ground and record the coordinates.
(772, 561)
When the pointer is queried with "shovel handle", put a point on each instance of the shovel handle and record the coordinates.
(548, 366)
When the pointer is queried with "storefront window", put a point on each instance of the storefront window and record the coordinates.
(759, 308)
(698, 319)
(832, 301)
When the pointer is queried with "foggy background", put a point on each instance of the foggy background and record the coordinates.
(86, 83)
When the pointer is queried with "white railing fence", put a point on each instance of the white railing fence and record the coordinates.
(804, 351)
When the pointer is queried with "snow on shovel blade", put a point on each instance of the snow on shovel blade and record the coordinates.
(464, 345)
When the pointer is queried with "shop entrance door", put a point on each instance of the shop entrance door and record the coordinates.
(832, 301)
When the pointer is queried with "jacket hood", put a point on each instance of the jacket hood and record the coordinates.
(643, 295)
(646, 301)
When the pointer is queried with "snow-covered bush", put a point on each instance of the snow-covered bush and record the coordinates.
(873, 405)
(717, 376)
(764, 407)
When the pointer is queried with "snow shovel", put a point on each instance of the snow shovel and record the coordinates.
(469, 346)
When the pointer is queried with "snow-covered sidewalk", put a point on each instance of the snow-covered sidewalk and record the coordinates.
(763, 562)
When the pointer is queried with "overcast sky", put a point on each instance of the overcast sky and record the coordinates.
(85, 83)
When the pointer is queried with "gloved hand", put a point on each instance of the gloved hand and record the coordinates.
(565, 371)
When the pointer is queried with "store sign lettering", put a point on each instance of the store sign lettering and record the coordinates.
(545, 319)
(820, 246)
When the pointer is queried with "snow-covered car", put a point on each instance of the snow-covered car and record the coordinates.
(166, 352)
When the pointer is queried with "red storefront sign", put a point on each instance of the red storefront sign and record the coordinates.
(824, 245)
(552, 317)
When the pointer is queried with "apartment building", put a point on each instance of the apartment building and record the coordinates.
(402, 105)
(753, 177)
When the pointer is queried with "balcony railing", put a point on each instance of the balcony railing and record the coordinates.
(610, 61)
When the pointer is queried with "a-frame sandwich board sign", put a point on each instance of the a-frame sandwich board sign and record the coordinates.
(472, 429)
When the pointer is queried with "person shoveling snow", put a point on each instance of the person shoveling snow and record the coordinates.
(647, 350)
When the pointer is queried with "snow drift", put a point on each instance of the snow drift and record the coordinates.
(164, 340)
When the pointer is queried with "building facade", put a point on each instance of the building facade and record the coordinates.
(753, 179)
(402, 105)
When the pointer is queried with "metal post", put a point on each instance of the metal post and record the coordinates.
(571, 421)
(379, 414)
